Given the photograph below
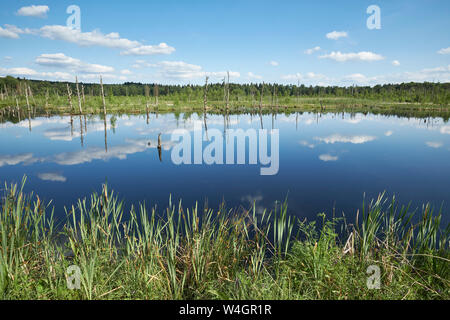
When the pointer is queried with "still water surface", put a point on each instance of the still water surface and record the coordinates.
(327, 162)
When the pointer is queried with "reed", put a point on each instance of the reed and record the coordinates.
(215, 254)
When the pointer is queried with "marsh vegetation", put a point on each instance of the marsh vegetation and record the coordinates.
(187, 253)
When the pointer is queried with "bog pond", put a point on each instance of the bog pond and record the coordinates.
(326, 162)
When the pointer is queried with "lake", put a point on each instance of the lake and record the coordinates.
(327, 162)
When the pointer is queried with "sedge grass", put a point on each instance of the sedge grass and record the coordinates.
(217, 254)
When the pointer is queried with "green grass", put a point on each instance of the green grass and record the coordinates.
(138, 104)
(217, 254)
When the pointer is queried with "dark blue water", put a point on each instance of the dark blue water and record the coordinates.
(326, 162)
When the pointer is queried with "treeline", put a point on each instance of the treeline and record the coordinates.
(427, 92)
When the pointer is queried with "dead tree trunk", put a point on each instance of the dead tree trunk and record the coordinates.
(69, 96)
(79, 96)
(103, 97)
(205, 94)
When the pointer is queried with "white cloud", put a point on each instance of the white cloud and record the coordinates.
(221, 74)
(388, 133)
(296, 76)
(139, 64)
(356, 77)
(57, 75)
(66, 76)
(116, 152)
(33, 11)
(125, 71)
(352, 56)
(444, 51)
(12, 160)
(312, 50)
(352, 121)
(18, 71)
(13, 32)
(254, 200)
(6, 33)
(307, 144)
(62, 61)
(441, 74)
(51, 176)
(162, 48)
(181, 70)
(445, 130)
(93, 38)
(434, 144)
(338, 138)
(274, 63)
(328, 157)
(251, 75)
(315, 76)
(309, 76)
(395, 63)
(335, 35)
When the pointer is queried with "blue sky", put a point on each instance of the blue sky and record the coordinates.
(183, 41)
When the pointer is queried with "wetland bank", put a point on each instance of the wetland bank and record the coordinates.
(224, 231)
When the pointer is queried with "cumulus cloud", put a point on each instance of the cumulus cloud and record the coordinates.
(11, 160)
(434, 144)
(180, 70)
(395, 63)
(309, 76)
(445, 130)
(307, 144)
(274, 63)
(162, 48)
(116, 152)
(356, 77)
(328, 157)
(335, 35)
(52, 176)
(312, 50)
(388, 133)
(125, 71)
(85, 39)
(251, 75)
(352, 56)
(97, 38)
(441, 74)
(75, 65)
(33, 11)
(13, 32)
(18, 71)
(444, 51)
(296, 76)
(338, 138)
(254, 200)
(139, 64)
(90, 38)
(63, 76)
(6, 33)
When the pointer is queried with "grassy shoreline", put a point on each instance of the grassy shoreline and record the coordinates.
(94, 104)
(217, 254)
(14, 114)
